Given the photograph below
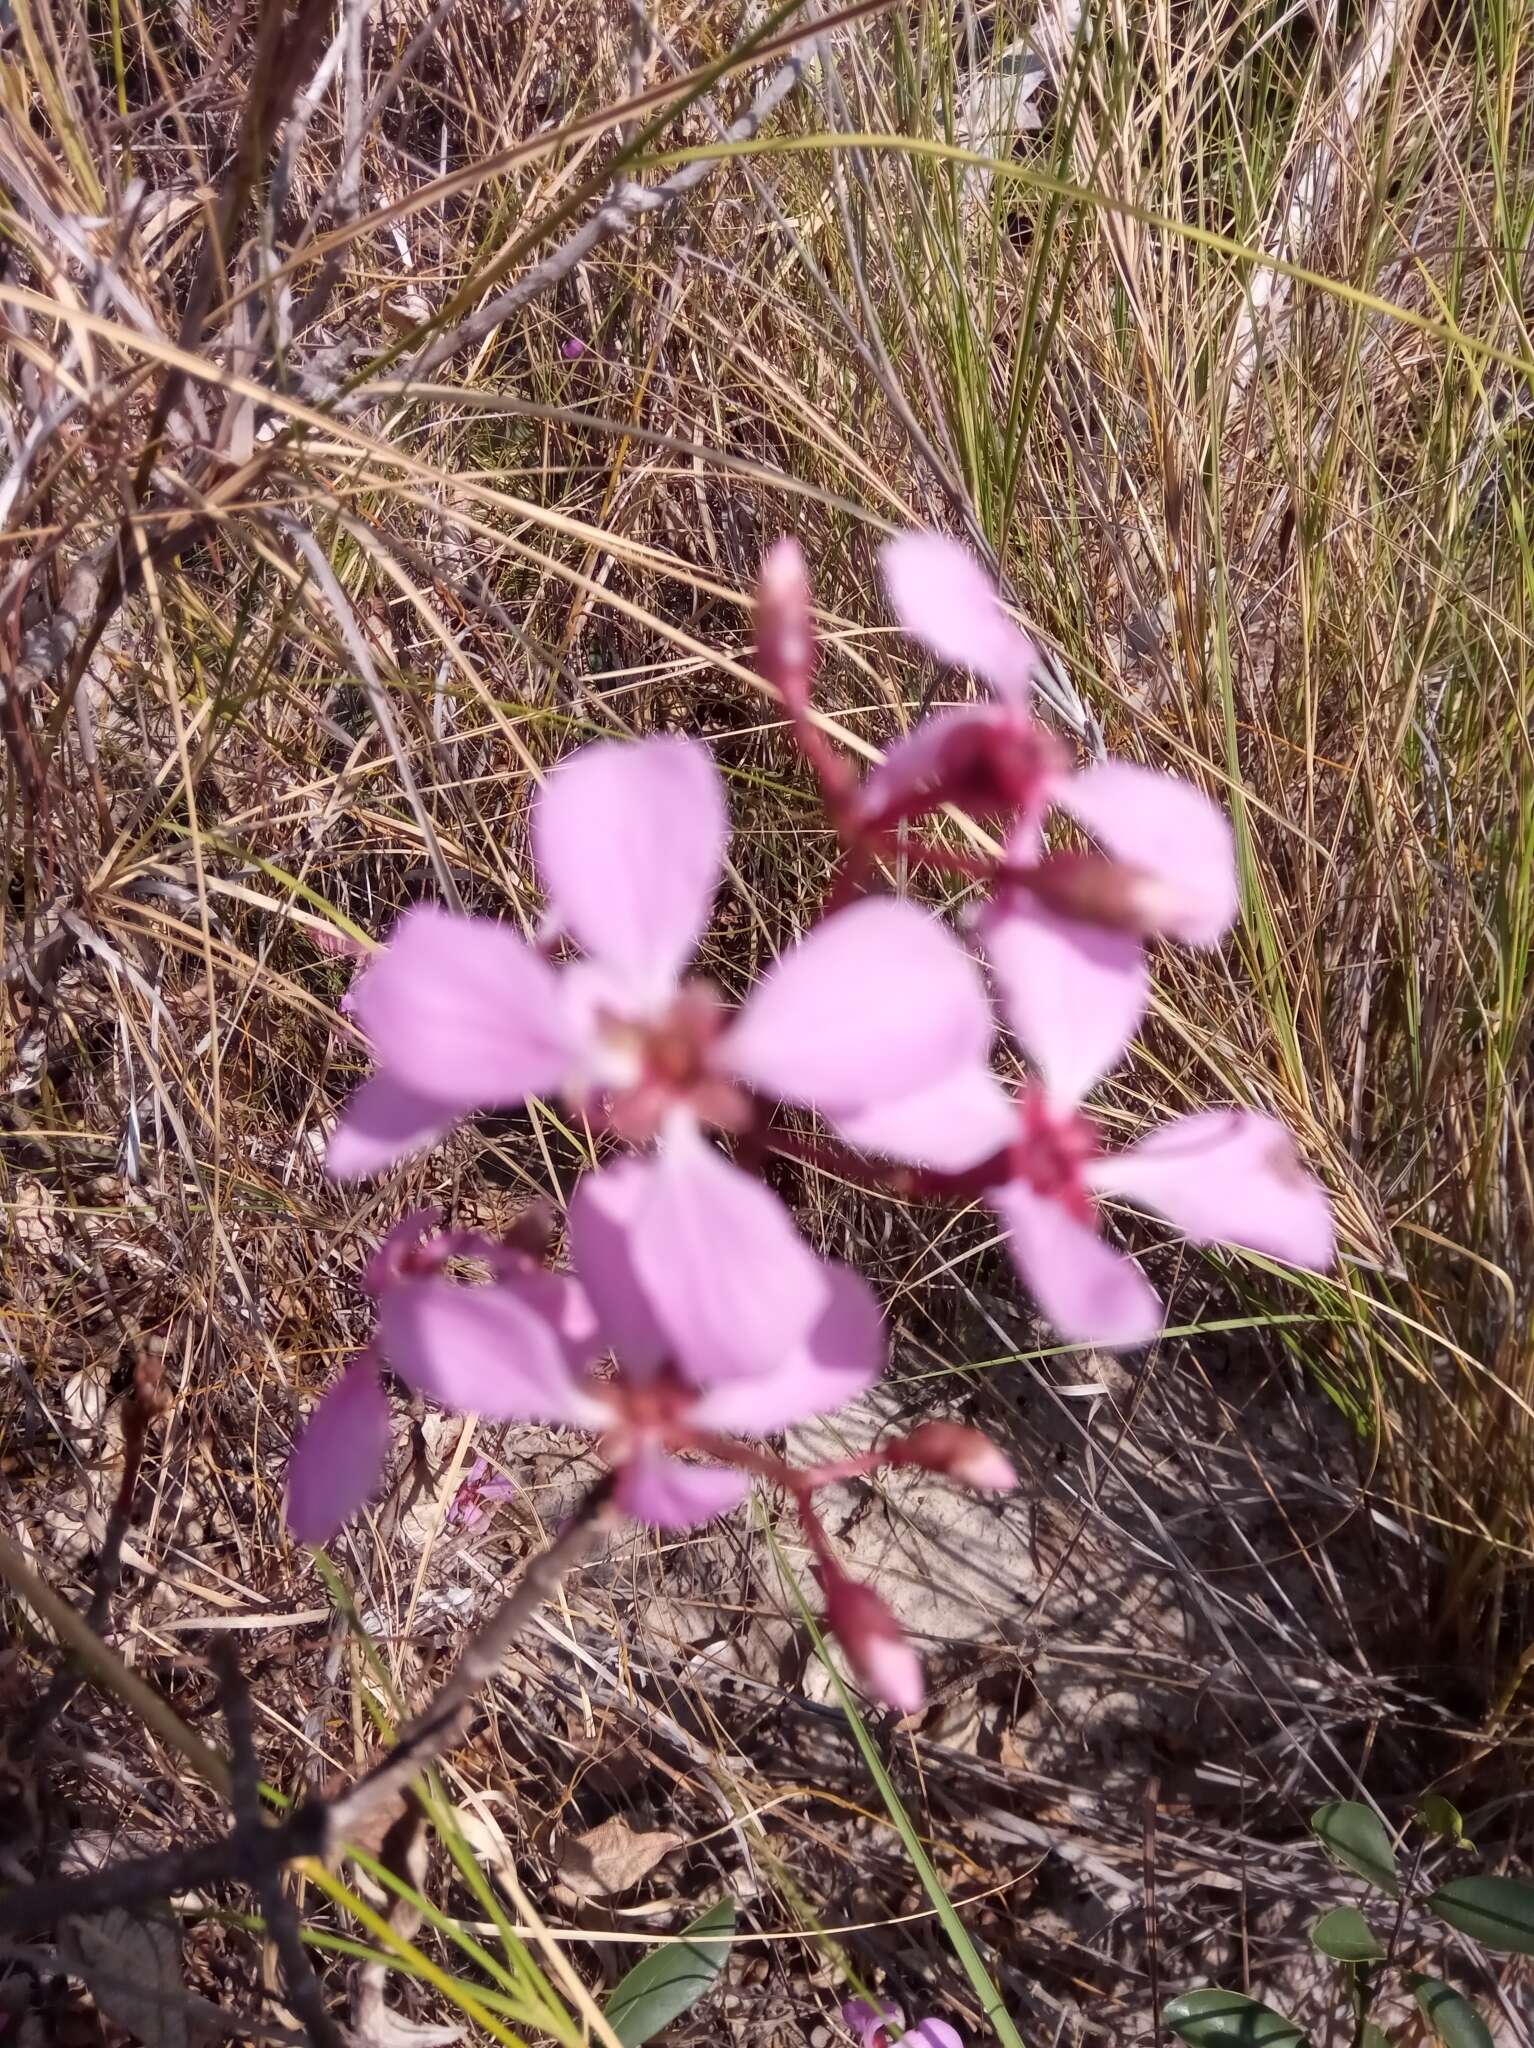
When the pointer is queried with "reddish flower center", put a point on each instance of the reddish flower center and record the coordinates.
(1050, 1150)
(674, 1057)
(996, 768)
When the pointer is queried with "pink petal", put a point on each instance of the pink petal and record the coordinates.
(338, 1460)
(876, 1003)
(630, 840)
(485, 1351)
(1171, 831)
(868, 2021)
(1227, 1176)
(964, 1118)
(603, 1212)
(670, 1495)
(1091, 1293)
(462, 1012)
(943, 598)
(731, 1281)
(933, 2034)
(559, 1300)
(841, 1358)
(383, 1121)
(1073, 993)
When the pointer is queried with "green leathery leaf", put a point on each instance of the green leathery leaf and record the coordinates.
(1353, 1835)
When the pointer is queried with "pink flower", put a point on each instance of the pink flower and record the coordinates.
(476, 1489)
(691, 1367)
(1065, 930)
(872, 2025)
(572, 348)
(877, 1017)
(987, 758)
(694, 1374)
(1228, 1177)
(1221, 1176)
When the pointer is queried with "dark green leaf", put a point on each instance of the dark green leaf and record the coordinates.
(1498, 1912)
(1347, 1936)
(1224, 2019)
(663, 1984)
(1354, 1836)
(1452, 2018)
(1441, 1817)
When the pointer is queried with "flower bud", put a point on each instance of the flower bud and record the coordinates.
(1094, 890)
(785, 626)
(957, 1453)
(873, 1642)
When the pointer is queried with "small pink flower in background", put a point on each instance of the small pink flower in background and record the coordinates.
(572, 349)
(478, 1488)
(872, 2025)
(874, 1010)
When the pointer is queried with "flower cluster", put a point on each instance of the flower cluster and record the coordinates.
(694, 1320)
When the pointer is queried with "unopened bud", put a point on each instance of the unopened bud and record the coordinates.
(533, 1231)
(966, 1455)
(785, 625)
(873, 1642)
(1095, 890)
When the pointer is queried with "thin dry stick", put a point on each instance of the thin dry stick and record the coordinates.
(378, 699)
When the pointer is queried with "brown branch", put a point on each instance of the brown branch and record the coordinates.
(254, 1850)
(305, 1995)
(435, 1730)
(145, 1404)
